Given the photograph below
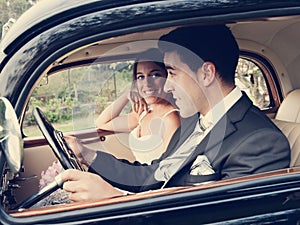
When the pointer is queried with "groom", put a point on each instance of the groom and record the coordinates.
(232, 137)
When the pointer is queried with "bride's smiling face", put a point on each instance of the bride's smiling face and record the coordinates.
(150, 79)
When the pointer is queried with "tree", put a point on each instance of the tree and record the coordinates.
(11, 10)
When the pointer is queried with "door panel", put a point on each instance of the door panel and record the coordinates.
(36, 160)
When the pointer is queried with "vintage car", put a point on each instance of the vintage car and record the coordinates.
(65, 61)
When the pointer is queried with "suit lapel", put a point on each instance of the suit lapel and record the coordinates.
(208, 146)
(220, 131)
(224, 127)
(187, 128)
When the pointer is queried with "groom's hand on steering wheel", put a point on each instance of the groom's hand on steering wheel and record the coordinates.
(85, 155)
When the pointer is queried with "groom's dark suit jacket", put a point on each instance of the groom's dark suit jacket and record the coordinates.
(243, 142)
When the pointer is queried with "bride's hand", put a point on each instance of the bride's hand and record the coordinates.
(138, 104)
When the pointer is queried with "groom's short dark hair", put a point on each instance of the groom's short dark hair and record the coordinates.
(214, 43)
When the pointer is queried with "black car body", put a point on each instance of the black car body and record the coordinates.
(43, 41)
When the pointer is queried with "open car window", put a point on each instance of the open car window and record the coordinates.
(73, 98)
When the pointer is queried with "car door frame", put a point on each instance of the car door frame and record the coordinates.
(44, 49)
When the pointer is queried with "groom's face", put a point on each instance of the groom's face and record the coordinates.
(182, 82)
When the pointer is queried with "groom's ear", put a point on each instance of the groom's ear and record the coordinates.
(207, 73)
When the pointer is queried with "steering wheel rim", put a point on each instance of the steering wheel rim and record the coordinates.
(55, 139)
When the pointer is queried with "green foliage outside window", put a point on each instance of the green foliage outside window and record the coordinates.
(11, 10)
(249, 78)
(76, 96)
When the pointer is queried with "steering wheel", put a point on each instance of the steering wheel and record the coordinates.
(56, 140)
(62, 151)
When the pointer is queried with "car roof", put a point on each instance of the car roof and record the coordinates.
(47, 14)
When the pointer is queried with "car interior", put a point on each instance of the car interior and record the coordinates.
(271, 44)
